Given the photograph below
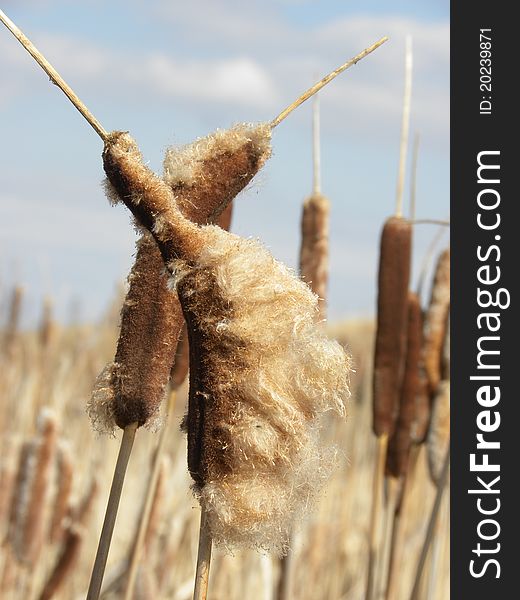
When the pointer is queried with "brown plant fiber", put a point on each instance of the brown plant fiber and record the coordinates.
(133, 387)
(436, 320)
(261, 371)
(400, 442)
(392, 311)
(314, 249)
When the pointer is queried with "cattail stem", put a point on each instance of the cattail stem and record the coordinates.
(203, 560)
(54, 76)
(379, 470)
(396, 547)
(323, 82)
(98, 571)
(413, 182)
(316, 152)
(441, 222)
(405, 126)
(145, 516)
(431, 526)
(392, 489)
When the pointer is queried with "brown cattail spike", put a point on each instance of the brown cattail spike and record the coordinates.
(399, 443)
(314, 250)
(150, 322)
(392, 310)
(436, 320)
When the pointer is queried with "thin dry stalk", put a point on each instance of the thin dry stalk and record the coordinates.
(200, 591)
(374, 527)
(53, 74)
(443, 480)
(98, 570)
(393, 492)
(64, 489)
(405, 127)
(436, 320)
(151, 493)
(397, 545)
(323, 82)
(182, 361)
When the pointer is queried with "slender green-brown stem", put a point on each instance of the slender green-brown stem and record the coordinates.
(431, 525)
(150, 493)
(379, 470)
(200, 591)
(54, 76)
(323, 82)
(98, 571)
(405, 126)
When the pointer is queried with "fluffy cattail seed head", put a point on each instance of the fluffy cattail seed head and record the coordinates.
(392, 311)
(201, 181)
(261, 374)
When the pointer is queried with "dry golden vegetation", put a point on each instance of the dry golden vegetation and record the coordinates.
(298, 501)
(46, 381)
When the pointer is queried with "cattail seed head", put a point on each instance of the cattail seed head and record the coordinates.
(439, 432)
(436, 320)
(63, 493)
(314, 249)
(261, 371)
(202, 178)
(392, 310)
(30, 499)
(400, 442)
(150, 321)
(13, 321)
(257, 390)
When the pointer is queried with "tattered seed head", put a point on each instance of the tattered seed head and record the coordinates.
(261, 371)
(201, 180)
(439, 433)
(220, 164)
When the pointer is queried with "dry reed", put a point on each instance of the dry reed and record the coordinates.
(436, 320)
(439, 432)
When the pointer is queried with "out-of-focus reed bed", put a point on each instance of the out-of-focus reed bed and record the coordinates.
(45, 388)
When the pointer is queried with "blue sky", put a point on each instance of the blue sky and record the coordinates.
(172, 71)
